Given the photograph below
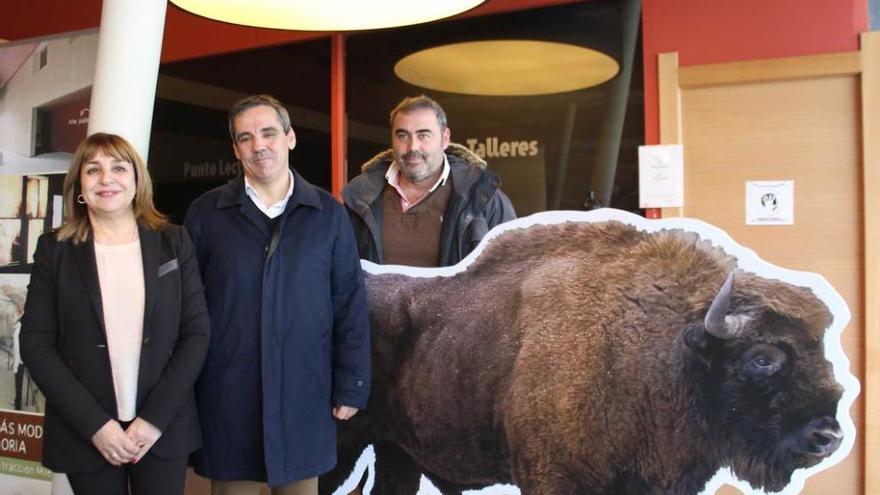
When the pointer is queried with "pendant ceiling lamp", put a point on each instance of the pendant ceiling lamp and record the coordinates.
(507, 68)
(326, 15)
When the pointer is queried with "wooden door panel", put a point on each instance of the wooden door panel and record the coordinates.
(806, 130)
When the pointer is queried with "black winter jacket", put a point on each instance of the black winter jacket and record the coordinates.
(475, 206)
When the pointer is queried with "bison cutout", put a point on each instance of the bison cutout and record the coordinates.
(601, 353)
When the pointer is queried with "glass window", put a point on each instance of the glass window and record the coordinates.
(550, 141)
(190, 148)
(543, 147)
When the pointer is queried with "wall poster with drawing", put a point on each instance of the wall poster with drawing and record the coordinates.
(44, 104)
(29, 206)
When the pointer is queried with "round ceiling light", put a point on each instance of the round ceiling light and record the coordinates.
(506, 68)
(326, 15)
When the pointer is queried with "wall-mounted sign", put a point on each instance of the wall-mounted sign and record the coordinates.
(65, 124)
(210, 170)
(661, 176)
(519, 159)
(493, 147)
(82, 119)
(770, 202)
(176, 157)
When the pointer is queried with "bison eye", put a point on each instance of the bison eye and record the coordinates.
(764, 364)
(763, 360)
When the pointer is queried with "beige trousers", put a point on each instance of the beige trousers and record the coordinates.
(302, 487)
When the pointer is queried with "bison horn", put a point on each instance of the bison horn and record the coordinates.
(717, 322)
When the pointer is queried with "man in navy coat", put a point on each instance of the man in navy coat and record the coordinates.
(289, 347)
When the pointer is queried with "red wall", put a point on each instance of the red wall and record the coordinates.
(23, 19)
(704, 31)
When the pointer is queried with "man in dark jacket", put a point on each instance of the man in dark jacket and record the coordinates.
(426, 201)
(290, 347)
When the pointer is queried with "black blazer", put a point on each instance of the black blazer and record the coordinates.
(64, 347)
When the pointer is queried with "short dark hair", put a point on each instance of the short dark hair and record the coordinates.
(411, 103)
(256, 101)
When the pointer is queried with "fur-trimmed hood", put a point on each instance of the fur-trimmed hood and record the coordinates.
(454, 149)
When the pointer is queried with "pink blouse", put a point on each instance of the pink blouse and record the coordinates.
(121, 275)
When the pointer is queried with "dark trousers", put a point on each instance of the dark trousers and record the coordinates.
(151, 475)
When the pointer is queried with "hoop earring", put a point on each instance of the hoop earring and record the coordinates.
(80, 199)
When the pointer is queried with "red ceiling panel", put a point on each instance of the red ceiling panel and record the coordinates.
(186, 35)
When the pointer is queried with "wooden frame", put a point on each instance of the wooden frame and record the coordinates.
(866, 64)
(833, 64)
(870, 65)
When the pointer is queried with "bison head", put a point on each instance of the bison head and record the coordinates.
(767, 394)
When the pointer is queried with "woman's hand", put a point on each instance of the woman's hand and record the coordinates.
(116, 447)
(144, 435)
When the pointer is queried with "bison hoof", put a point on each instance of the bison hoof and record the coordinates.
(820, 437)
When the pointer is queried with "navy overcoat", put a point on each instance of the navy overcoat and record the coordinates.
(290, 333)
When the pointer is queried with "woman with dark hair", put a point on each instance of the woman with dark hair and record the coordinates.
(115, 330)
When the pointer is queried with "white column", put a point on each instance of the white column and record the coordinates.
(126, 70)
